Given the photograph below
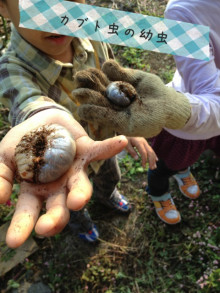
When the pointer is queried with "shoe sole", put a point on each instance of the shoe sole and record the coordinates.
(167, 222)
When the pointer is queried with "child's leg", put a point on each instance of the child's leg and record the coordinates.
(104, 186)
(178, 154)
(158, 189)
(81, 223)
(158, 179)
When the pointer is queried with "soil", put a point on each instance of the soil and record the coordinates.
(69, 256)
(33, 144)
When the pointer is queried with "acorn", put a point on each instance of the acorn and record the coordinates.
(44, 154)
(121, 93)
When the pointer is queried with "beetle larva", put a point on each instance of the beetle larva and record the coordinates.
(121, 93)
(44, 154)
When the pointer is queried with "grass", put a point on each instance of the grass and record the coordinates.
(136, 253)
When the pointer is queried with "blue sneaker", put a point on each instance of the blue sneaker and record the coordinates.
(81, 224)
(91, 236)
(117, 202)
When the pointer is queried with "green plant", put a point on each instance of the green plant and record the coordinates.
(13, 284)
(6, 252)
(4, 37)
(130, 167)
(100, 273)
(132, 57)
(167, 73)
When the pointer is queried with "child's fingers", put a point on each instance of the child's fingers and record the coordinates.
(152, 159)
(80, 188)
(56, 217)
(138, 145)
(152, 163)
(6, 182)
(143, 153)
(130, 149)
(91, 78)
(89, 150)
(88, 96)
(114, 72)
(104, 116)
(108, 148)
(25, 216)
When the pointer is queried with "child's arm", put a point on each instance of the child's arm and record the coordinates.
(145, 150)
(72, 191)
(199, 80)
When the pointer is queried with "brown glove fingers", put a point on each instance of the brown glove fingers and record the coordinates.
(91, 78)
(115, 72)
(103, 116)
(88, 96)
(144, 83)
(121, 122)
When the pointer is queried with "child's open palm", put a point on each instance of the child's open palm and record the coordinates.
(71, 191)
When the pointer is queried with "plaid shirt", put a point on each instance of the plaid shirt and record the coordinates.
(32, 82)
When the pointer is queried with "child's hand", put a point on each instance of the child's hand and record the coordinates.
(145, 150)
(72, 191)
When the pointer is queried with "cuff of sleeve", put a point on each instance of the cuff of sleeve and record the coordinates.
(34, 108)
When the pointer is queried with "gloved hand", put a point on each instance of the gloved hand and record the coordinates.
(156, 106)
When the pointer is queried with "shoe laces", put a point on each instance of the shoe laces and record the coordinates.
(189, 181)
(167, 204)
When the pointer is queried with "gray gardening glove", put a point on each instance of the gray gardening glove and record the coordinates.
(155, 106)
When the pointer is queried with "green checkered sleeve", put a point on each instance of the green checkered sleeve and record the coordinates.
(20, 92)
